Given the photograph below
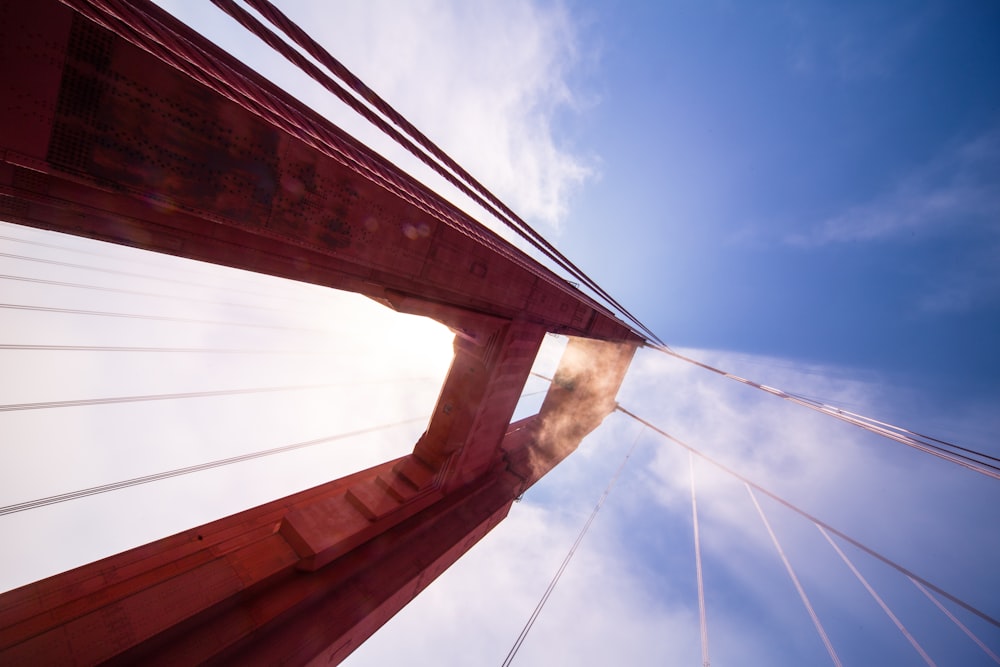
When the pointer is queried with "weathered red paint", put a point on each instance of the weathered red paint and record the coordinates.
(103, 139)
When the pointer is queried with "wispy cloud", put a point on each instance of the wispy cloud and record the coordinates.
(952, 201)
(600, 614)
(853, 44)
(628, 597)
(958, 190)
(973, 285)
(488, 82)
(883, 493)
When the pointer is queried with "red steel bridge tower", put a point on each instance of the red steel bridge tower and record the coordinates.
(119, 123)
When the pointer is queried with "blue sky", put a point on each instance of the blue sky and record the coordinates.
(802, 193)
(810, 180)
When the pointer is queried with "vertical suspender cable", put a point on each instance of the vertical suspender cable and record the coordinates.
(562, 568)
(795, 580)
(798, 510)
(697, 561)
(962, 626)
(917, 579)
(878, 599)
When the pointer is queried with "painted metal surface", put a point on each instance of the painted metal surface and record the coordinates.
(106, 137)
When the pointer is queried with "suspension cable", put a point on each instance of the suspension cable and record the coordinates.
(114, 486)
(118, 272)
(143, 276)
(937, 603)
(80, 251)
(157, 32)
(119, 290)
(192, 267)
(458, 176)
(962, 456)
(795, 580)
(900, 429)
(871, 552)
(125, 348)
(54, 246)
(562, 568)
(535, 393)
(160, 318)
(44, 405)
(878, 598)
(187, 470)
(703, 622)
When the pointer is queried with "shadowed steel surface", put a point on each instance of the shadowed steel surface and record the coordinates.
(121, 124)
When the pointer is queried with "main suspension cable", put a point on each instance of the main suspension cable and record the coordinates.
(157, 32)
(962, 456)
(457, 176)
(899, 429)
(871, 552)
(562, 568)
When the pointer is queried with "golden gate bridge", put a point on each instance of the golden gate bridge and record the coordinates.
(123, 125)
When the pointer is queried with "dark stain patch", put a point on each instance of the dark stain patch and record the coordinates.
(168, 139)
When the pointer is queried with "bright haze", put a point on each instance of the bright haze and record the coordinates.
(805, 194)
